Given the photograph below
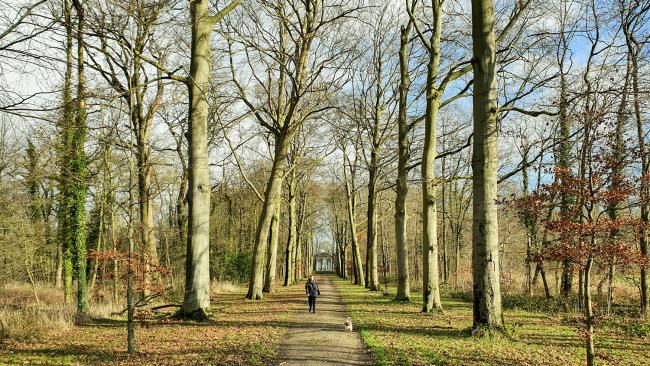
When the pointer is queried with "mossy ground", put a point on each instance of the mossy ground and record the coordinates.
(398, 334)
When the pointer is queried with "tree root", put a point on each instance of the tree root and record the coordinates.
(199, 315)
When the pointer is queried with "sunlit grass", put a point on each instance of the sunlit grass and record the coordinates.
(398, 334)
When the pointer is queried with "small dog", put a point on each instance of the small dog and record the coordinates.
(348, 324)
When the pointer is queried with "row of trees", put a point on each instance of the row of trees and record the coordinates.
(237, 141)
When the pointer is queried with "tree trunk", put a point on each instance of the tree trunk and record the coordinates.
(273, 191)
(456, 258)
(547, 291)
(589, 338)
(58, 280)
(580, 288)
(149, 245)
(403, 155)
(443, 224)
(356, 253)
(564, 152)
(181, 209)
(299, 269)
(485, 235)
(100, 234)
(78, 172)
(130, 300)
(290, 257)
(66, 128)
(196, 302)
(644, 192)
(618, 152)
(271, 264)
(116, 273)
(430, 284)
(371, 254)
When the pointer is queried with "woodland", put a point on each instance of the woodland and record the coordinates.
(477, 171)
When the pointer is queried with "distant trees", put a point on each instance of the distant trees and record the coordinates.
(288, 66)
(373, 110)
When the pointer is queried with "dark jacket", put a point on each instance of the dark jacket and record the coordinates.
(311, 288)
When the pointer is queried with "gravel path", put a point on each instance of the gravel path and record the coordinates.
(320, 338)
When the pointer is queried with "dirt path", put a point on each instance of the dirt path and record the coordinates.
(320, 338)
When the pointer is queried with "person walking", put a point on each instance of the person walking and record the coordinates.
(311, 289)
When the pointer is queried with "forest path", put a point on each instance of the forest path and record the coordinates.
(320, 338)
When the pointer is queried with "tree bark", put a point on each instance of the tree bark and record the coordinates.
(359, 278)
(589, 338)
(130, 296)
(271, 264)
(196, 302)
(78, 172)
(290, 257)
(403, 155)
(371, 253)
(430, 284)
(634, 50)
(485, 239)
(273, 190)
(66, 128)
(564, 153)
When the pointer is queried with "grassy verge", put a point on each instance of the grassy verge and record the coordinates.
(398, 334)
(240, 332)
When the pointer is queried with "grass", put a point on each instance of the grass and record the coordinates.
(240, 332)
(398, 334)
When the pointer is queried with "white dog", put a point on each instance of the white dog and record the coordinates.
(348, 324)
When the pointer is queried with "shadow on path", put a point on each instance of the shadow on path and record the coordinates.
(320, 338)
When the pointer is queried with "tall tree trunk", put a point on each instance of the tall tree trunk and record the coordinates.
(430, 284)
(145, 194)
(403, 155)
(529, 224)
(273, 190)
(78, 172)
(271, 265)
(130, 296)
(58, 279)
(299, 269)
(589, 316)
(618, 151)
(634, 50)
(359, 279)
(371, 254)
(196, 302)
(290, 256)
(485, 235)
(66, 128)
(116, 272)
(443, 224)
(102, 219)
(564, 155)
(181, 209)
